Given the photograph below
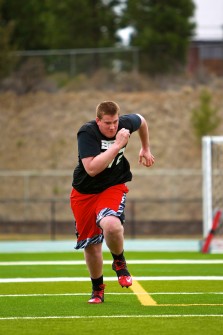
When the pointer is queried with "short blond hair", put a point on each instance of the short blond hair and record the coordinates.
(107, 108)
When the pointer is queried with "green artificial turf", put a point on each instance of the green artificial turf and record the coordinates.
(61, 308)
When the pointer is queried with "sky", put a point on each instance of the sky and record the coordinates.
(208, 17)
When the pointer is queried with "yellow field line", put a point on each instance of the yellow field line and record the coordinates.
(142, 295)
(146, 300)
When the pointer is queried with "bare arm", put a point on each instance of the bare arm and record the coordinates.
(145, 156)
(95, 165)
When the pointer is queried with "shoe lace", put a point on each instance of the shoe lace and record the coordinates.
(119, 265)
(98, 292)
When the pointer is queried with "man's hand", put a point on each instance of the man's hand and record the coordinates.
(122, 137)
(146, 158)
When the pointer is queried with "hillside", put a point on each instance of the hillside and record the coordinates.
(38, 133)
(38, 130)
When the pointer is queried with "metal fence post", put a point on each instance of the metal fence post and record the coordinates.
(53, 220)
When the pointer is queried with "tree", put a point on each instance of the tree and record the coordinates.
(205, 119)
(29, 22)
(7, 61)
(82, 24)
(66, 24)
(162, 29)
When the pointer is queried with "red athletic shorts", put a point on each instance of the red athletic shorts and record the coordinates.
(89, 209)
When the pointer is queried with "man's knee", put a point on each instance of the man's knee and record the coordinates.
(93, 249)
(111, 225)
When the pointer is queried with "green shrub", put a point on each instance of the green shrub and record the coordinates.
(205, 119)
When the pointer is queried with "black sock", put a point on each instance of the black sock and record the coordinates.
(120, 265)
(119, 257)
(97, 282)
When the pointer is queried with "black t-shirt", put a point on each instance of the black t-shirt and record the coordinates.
(90, 144)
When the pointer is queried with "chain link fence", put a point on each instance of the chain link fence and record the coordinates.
(158, 204)
(52, 69)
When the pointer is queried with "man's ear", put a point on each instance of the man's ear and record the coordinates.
(97, 120)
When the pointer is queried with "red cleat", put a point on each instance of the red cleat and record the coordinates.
(124, 277)
(97, 295)
(125, 281)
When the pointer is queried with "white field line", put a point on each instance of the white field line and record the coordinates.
(107, 293)
(82, 262)
(84, 279)
(114, 316)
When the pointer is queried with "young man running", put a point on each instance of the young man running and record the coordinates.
(99, 191)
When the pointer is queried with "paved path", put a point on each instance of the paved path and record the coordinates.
(130, 245)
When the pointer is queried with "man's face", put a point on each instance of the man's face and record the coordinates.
(108, 125)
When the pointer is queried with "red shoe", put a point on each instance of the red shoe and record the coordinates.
(97, 295)
(124, 277)
(125, 281)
